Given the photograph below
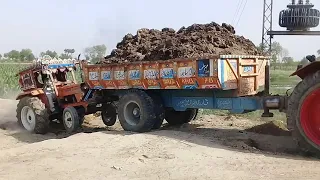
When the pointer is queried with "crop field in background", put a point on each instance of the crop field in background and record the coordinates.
(280, 82)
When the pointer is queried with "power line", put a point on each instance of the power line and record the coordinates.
(241, 12)
(237, 11)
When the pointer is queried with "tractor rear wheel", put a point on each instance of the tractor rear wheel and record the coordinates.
(32, 115)
(136, 111)
(303, 117)
(71, 119)
(180, 117)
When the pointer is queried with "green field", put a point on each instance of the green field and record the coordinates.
(8, 79)
(279, 80)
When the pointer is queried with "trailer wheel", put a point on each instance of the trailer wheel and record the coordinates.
(180, 117)
(32, 115)
(136, 111)
(303, 118)
(159, 111)
(109, 115)
(71, 119)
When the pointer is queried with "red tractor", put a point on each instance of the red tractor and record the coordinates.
(50, 97)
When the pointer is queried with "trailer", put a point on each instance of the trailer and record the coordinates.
(149, 92)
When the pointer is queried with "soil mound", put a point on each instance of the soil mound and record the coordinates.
(197, 40)
(270, 128)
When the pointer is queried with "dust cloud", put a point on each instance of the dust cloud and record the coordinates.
(8, 120)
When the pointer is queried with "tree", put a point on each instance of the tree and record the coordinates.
(283, 53)
(276, 50)
(26, 55)
(95, 53)
(288, 60)
(13, 55)
(65, 56)
(69, 51)
(304, 61)
(262, 48)
(0, 56)
(318, 52)
(87, 57)
(52, 54)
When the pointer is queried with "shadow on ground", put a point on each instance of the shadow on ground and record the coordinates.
(265, 139)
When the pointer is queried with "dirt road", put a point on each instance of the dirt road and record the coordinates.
(213, 147)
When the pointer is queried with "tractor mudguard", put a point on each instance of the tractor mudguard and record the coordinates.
(308, 69)
(34, 92)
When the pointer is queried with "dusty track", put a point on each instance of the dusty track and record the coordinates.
(212, 147)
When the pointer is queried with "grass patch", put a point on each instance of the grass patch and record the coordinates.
(282, 78)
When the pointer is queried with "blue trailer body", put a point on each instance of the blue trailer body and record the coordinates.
(181, 100)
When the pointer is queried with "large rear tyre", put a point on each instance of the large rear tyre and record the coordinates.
(109, 114)
(303, 118)
(32, 115)
(136, 111)
(71, 119)
(180, 117)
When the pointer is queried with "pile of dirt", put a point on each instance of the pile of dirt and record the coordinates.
(275, 128)
(197, 40)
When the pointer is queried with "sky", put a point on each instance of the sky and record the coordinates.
(60, 24)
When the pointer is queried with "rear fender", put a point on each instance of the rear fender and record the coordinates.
(34, 93)
(308, 69)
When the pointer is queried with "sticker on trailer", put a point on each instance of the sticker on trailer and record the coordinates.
(185, 72)
(247, 69)
(167, 73)
(150, 74)
(154, 87)
(119, 75)
(134, 74)
(171, 87)
(93, 76)
(204, 68)
(190, 87)
(209, 86)
(106, 75)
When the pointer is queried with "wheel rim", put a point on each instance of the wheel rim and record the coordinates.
(28, 118)
(68, 119)
(309, 116)
(132, 113)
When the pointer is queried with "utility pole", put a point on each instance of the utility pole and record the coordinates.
(267, 25)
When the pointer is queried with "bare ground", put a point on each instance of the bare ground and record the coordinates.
(212, 147)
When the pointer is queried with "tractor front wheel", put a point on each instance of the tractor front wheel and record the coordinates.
(32, 115)
(71, 119)
(303, 114)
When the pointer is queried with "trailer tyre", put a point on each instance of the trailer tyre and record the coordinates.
(159, 111)
(180, 117)
(302, 114)
(109, 115)
(71, 119)
(32, 115)
(136, 111)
